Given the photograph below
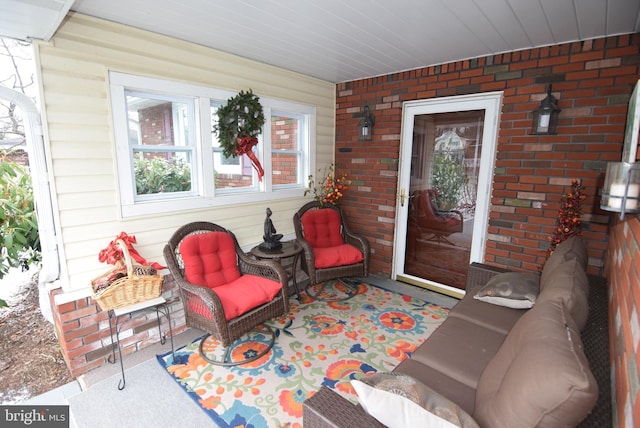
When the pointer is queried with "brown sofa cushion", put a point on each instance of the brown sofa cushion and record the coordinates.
(444, 385)
(540, 377)
(570, 284)
(460, 350)
(573, 248)
(496, 318)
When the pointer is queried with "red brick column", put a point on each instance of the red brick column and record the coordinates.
(623, 273)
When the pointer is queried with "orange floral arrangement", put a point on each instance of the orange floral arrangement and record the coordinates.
(331, 188)
(569, 222)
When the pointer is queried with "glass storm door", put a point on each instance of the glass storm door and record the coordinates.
(447, 157)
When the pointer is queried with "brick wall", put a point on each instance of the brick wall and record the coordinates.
(284, 136)
(227, 181)
(592, 81)
(156, 124)
(623, 274)
(83, 329)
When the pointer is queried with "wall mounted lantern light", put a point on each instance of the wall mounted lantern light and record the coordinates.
(545, 117)
(365, 126)
(621, 192)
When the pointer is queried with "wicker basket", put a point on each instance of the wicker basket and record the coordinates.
(132, 284)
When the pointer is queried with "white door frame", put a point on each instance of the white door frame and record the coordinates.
(491, 103)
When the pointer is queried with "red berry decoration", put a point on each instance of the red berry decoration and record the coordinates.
(569, 223)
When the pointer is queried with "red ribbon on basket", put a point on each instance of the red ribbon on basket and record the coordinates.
(245, 146)
(112, 254)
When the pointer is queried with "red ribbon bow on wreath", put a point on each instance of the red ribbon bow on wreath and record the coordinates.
(112, 254)
(239, 123)
(245, 146)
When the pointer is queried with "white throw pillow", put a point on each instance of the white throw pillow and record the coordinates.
(511, 289)
(399, 401)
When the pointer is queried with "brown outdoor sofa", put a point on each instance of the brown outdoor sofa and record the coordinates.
(510, 367)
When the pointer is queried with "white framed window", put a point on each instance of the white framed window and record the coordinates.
(288, 136)
(169, 158)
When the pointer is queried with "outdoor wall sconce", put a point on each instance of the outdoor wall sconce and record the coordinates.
(365, 126)
(545, 117)
(621, 192)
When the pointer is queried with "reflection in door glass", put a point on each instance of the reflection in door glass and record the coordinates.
(444, 181)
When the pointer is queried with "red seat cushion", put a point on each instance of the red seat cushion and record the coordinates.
(340, 255)
(242, 295)
(246, 293)
(209, 259)
(322, 228)
(450, 221)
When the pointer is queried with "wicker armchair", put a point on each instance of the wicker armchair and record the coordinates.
(221, 277)
(310, 265)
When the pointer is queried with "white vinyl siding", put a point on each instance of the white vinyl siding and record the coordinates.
(74, 77)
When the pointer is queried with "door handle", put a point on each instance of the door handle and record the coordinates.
(402, 196)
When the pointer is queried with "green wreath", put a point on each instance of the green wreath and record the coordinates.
(241, 118)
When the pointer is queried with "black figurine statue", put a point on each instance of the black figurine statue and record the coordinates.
(271, 238)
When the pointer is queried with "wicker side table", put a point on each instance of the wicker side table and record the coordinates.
(289, 249)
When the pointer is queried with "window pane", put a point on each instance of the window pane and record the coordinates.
(285, 149)
(162, 172)
(156, 121)
(285, 168)
(231, 173)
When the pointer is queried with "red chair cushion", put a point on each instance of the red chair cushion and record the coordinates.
(340, 255)
(322, 228)
(450, 221)
(246, 293)
(209, 259)
(240, 296)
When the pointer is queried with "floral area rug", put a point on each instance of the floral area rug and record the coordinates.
(318, 343)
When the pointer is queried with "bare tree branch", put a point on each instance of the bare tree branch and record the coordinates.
(14, 55)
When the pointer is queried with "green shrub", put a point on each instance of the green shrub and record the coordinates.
(448, 177)
(18, 220)
(156, 175)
